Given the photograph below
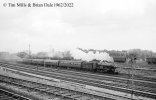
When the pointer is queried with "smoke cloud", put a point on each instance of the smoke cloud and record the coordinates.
(77, 54)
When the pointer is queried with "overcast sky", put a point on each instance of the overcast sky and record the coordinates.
(96, 24)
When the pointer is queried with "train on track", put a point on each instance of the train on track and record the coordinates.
(95, 65)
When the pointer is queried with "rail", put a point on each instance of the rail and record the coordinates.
(138, 92)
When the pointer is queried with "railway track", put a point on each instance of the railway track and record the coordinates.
(50, 92)
(100, 77)
(109, 79)
(7, 95)
(120, 75)
(149, 92)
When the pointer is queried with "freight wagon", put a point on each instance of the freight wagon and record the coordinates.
(119, 59)
(151, 60)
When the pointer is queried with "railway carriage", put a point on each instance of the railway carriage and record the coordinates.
(51, 62)
(37, 61)
(70, 63)
(27, 61)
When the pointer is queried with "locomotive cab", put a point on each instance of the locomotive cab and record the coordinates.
(106, 66)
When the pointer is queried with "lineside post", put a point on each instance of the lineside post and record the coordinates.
(132, 69)
(132, 61)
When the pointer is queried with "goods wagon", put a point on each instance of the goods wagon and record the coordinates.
(151, 60)
(119, 59)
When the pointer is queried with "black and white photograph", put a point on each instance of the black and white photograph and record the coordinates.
(77, 49)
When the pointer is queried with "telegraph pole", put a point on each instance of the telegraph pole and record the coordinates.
(133, 58)
(132, 77)
(130, 82)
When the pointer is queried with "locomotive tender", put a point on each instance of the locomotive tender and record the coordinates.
(76, 64)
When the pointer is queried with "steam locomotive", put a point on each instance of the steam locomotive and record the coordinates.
(94, 65)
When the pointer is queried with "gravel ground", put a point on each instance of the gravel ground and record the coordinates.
(62, 84)
(145, 73)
